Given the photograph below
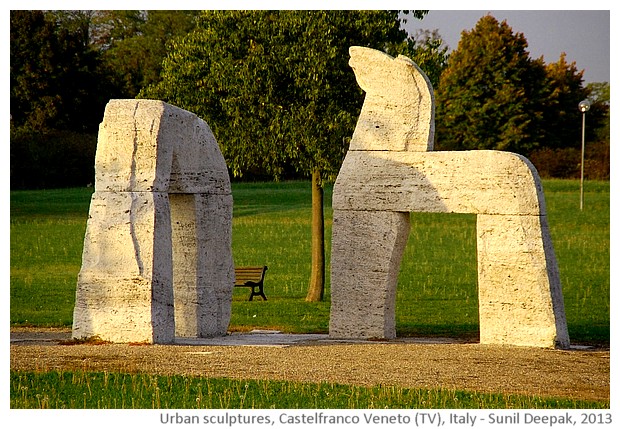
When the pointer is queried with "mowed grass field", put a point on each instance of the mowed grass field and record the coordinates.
(437, 292)
(104, 390)
(437, 296)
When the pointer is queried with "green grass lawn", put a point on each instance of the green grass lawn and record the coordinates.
(103, 390)
(437, 293)
(437, 296)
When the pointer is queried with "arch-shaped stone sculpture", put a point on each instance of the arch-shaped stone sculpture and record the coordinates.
(157, 259)
(390, 171)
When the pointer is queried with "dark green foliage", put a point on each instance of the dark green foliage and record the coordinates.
(65, 66)
(598, 117)
(561, 127)
(275, 86)
(492, 95)
(489, 95)
(133, 44)
(51, 159)
(57, 99)
(55, 83)
(427, 50)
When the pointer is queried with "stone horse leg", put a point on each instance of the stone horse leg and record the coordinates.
(368, 247)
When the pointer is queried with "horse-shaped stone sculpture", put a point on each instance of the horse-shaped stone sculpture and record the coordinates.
(390, 171)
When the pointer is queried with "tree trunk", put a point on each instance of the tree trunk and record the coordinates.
(317, 276)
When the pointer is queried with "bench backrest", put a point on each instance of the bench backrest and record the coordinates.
(249, 274)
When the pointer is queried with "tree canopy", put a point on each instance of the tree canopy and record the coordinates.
(489, 94)
(275, 86)
(277, 90)
(134, 43)
(54, 78)
(492, 95)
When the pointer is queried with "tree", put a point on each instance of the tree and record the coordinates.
(565, 90)
(65, 66)
(131, 43)
(277, 90)
(598, 117)
(489, 96)
(134, 43)
(427, 49)
(56, 102)
(54, 80)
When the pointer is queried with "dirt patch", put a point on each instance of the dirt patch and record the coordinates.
(578, 374)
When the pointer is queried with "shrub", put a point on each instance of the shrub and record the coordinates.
(51, 159)
(565, 163)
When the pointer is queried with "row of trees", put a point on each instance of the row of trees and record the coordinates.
(273, 70)
(65, 67)
(276, 88)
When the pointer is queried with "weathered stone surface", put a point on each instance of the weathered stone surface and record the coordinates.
(398, 111)
(482, 181)
(364, 301)
(202, 278)
(388, 173)
(158, 239)
(124, 292)
(520, 296)
(140, 139)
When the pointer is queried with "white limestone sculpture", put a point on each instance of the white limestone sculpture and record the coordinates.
(157, 259)
(390, 171)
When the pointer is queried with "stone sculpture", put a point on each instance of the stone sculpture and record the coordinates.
(390, 171)
(157, 259)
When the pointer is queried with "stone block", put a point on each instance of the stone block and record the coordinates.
(152, 146)
(520, 295)
(157, 259)
(363, 303)
(123, 286)
(398, 111)
(434, 182)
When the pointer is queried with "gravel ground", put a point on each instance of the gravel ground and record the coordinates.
(577, 373)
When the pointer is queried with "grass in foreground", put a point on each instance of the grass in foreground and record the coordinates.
(103, 390)
(437, 292)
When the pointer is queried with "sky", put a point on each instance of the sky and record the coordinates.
(584, 35)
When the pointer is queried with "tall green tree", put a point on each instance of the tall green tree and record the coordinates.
(134, 43)
(561, 117)
(65, 66)
(277, 90)
(489, 96)
(130, 43)
(56, 96)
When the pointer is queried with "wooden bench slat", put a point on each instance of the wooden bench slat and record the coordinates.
(251, 277)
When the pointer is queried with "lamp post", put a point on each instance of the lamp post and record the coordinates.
(584, 106)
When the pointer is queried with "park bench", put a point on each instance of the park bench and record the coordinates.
(251, 277)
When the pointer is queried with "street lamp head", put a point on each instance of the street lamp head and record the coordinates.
(584, 106)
